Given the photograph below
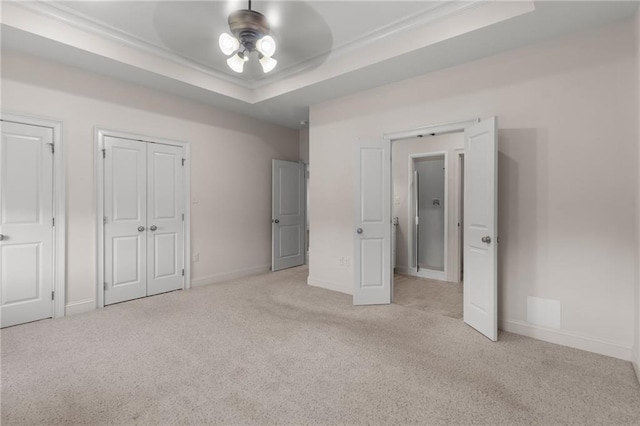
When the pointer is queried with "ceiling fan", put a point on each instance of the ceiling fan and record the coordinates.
(250, 31)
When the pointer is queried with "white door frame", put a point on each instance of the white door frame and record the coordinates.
(428, 273)
(100, 134)
(437, 129)
(59, 203)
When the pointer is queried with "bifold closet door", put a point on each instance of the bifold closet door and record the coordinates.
(143, 224)
(125, 222)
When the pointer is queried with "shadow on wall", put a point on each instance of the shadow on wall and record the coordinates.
(522, 213)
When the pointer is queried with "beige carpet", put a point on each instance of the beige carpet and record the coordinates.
(433, 296)
(272, 350)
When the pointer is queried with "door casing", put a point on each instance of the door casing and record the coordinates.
(59, 203)
(100, 134)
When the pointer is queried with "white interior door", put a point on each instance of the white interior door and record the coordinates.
(288, 219)
(26, 223)
(165, 235)
(125, 229)
(372, 230)
(144, 207)
(480, 228)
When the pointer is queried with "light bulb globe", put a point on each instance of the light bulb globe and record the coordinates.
(268, 63)
(266, 45)
(228, 43)
(236, 62)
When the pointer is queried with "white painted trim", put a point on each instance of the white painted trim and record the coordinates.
(423, 273)
(83, 22)
(428, 273)
(436, 129)
(80, 307)
(99, 135)
(230, 275)
(434, 12)
(327, 285)
(59, 193)
(565, 338)
(458, 183)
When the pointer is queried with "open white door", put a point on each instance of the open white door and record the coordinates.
(287, 221)
(480, 227)
(372, 230)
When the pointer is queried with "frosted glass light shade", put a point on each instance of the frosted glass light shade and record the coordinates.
(236, 62)
(268, 63)
(266, 45)
(228, 43)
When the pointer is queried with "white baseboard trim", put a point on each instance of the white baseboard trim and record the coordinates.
(565, 338)
(424, 273)
(227, 276)
(80, 307)
(329, 286)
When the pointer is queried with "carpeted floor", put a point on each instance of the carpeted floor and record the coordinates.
(270, 349)
(433, 296)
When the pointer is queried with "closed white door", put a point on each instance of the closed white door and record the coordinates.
(372, 228)
(143, 224)
(288, 221)
(480, 228)
(125, 222)
(165, 236)
(26, 223)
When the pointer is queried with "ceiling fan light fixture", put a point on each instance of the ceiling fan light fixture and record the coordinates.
(228, 43)
(250, 31)
(266, 45)
(268, 63)
(236, 62)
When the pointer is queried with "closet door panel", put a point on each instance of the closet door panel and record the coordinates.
(165, 183)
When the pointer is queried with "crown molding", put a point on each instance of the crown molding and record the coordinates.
(434, 12)
(83, 22)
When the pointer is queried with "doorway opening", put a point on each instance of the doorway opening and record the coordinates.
(374, 200)
(427, 216)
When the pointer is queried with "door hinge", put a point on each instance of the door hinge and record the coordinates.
(183, 161)
(53, 148)
(53, 221)
(183, 272)
(183, 217)
(53, 295)
(104, 220)
(104, 153)
(105, 285)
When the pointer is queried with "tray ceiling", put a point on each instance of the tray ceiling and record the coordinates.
(326, 49)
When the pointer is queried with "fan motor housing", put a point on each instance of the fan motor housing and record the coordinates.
(248, 26)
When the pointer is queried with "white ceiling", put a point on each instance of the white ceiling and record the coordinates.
(326, 49)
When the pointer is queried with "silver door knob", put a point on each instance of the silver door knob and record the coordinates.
(276, 221)
(486, 239)
(140, 228)
(1, 237)
(359, 230)
(153, 227)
